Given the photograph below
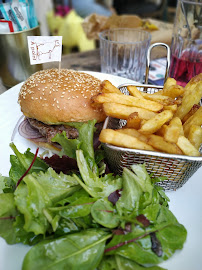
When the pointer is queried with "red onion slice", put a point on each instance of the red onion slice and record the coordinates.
(15, 128)
(28, 132)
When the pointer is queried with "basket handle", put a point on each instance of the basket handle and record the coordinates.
(149, 56)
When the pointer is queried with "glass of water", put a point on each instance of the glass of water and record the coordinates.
(123, 52)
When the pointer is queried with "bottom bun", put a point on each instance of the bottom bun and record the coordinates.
(47, 146)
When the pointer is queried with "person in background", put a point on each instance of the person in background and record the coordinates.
(87, 7)
(136, 7)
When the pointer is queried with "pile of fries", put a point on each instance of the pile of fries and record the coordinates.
(166, 121)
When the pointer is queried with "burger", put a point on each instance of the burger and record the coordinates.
(52, 99)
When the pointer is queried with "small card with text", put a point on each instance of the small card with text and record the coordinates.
(44, 49)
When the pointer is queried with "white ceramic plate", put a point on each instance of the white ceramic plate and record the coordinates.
(185, 203)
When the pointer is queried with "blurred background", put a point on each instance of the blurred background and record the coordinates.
(66, 17)
(79, 23)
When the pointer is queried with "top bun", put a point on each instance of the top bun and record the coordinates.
(54, 97)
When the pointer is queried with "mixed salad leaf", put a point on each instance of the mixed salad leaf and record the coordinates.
(86, 219)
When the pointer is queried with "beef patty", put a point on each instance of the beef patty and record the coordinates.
(49, 131)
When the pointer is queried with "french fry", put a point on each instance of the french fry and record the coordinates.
(108, 87)
(164, 100)
(194, 108)
(173, 108)
(155, 123)
(161, 131)
(187, 148)
(173, 130)
(195, 119)
(172, 91)
(143, 122)
(132, 89)
(133, 132)
(122, 111)
(195, 136)
(169, 82)
(192, 84)
(128, 100)
(123, 140)
(178, 100)
(158, 142)
(133, 121)
(189, 100)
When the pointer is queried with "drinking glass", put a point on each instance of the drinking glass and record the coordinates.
(123, 52)
(186, 47)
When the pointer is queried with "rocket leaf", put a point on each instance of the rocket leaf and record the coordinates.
(83, 250)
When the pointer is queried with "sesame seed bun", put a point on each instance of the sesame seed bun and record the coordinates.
(54, 97)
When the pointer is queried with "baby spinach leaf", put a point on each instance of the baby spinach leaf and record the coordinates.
(137, 249)
(104, 213)
(137, 245)
(65, 226)
(85, 222)
(70, 225)
(167, 237)
(83, 250)
(151, 212)
(108, 263)
(79, 208)
(123, 263)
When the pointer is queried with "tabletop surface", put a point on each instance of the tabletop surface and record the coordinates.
(86, 61)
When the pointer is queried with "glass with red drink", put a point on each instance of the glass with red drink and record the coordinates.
(186, 48)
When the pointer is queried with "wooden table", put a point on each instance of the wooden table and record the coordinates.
(90, 60)
(85, 61)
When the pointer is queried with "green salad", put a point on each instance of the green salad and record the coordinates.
(86, 219)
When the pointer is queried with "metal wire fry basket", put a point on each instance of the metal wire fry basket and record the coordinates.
(177, 168)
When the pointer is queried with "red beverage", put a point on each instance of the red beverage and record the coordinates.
(183, 69)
